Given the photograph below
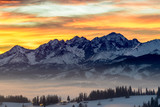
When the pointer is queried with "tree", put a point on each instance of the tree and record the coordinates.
(158, 92)
(34, 100)
(85, 105)
(127, 95)
(80, 105)
(73, 106)
(81, 97)
(68, 99)
(152, 101)
(23, 105)
(130, 90)
(85, 97)
(43, 101)
(147, 91)
(99, 103)
(37, 100)
(46, 100)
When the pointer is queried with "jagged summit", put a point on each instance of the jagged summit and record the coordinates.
(79, 49)
(135, 40)
(115, 36)
(18, 49)
(76, 39)
(55, 41)
(110, 52)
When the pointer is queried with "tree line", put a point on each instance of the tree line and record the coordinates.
(46, 100)
(122, 91)
(17, 99)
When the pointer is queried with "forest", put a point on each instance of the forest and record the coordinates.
(17, 99)
(120, 91)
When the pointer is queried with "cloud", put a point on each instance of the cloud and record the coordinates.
(2, 2)
(18, 2)
(53, 1)
(147, 10)
(149, 18)
(113, 21)
(56, 10)
(30, 23)
(74, 1)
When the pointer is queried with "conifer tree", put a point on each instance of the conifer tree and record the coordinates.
(68, 99)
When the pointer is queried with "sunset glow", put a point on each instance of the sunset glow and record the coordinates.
(30, 23)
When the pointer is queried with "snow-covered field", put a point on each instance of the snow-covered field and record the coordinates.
(116, 102)
(16, 104)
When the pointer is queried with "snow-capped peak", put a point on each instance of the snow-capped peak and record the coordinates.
(115, 36)
(150, 47)
(18, 49)
(135, 41)
(80, 49)
(112, 38)
(76, 39)
(53, 42)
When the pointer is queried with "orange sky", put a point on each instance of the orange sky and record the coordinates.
(30, 23)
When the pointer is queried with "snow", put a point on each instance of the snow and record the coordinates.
(8, 104)
(18, 49)
(19, 58)
(158, 101)
(31, 58)
(116, 37)
(67, 58)
(115, 102)
(5, 60)
(150, 47)
(104, 55)
(134, 71)
(76, 51)
(108, 55)
(72, 52)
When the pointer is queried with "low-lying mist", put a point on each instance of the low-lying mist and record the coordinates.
(64, 87)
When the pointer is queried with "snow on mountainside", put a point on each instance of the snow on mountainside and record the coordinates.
(79, 49)
(151, 47)
(16, 55)
(67, 58)
(111, 54)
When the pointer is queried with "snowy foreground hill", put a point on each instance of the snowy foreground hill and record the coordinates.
(110, 55)
(116, 102)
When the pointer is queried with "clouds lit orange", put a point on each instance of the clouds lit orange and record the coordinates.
(30, 23)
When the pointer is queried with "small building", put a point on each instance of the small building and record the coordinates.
(64, 102)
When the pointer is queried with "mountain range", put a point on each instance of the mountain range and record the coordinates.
(102, 57)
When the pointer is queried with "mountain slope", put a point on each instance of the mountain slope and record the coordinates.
(16, 55)
(112, 54)
(72, 51)
(151, 47)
